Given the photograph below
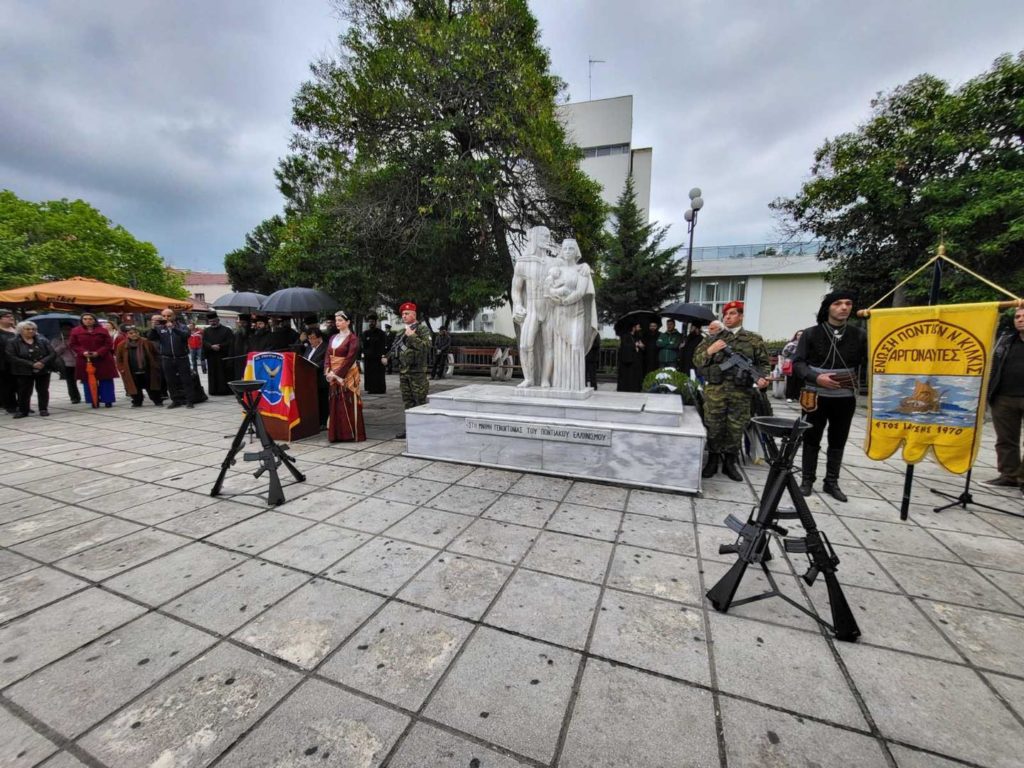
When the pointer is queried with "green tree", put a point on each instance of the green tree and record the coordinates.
(59, 239)
(248, 267)
(637, 272)
(435, 142)
(932, 164)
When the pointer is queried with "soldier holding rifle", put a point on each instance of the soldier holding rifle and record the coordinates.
(727, 393)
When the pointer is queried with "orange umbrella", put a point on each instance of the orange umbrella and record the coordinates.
(84, 292)
(91, 383)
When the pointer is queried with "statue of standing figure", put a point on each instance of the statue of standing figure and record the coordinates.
(553, 302)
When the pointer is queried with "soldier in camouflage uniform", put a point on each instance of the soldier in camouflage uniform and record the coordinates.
(412, 351)
(727, 394)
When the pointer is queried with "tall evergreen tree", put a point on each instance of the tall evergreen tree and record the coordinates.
(637, 272)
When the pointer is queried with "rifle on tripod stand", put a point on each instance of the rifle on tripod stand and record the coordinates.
(752, 544)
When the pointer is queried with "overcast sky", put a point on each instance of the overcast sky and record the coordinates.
(171, 116)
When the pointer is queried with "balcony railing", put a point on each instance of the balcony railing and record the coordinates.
(755, 251)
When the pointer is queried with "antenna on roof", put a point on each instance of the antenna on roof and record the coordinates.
(590, 76)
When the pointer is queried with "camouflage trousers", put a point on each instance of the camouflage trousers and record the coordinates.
(726, 413)
(414, 387)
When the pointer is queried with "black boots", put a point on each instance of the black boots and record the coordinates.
(809, 470)
(834, 461)
(729, 467)
(711, 467)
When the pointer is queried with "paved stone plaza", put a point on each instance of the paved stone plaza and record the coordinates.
(407, 613)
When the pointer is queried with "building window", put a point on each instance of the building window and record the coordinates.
(199, 297)
(605, 150)
(714, 294)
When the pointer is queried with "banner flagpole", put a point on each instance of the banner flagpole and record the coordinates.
(965, 497)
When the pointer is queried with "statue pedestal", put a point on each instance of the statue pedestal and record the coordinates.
(548, 393)
(648, 441)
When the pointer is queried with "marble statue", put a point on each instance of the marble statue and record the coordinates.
(569, 287)
(530, 308)
(553, 302)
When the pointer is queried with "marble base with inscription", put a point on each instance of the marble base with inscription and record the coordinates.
(649, 441)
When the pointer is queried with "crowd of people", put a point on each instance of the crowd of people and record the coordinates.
(644, 350)
(162, 361)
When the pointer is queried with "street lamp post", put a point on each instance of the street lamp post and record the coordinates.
(696, 203)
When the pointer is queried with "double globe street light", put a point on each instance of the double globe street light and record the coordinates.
(696, 203)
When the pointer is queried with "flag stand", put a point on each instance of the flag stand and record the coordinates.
(965, 497)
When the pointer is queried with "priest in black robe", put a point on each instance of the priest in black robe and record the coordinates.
(375, 347)
(218, 343)
(240, 346)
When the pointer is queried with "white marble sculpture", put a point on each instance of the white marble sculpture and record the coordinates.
(553, 302)
(530, 308)
(569, 287)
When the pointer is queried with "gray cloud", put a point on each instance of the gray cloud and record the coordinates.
(170, 117)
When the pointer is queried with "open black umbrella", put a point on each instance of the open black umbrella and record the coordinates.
(688, 313)
(298, 301)
(49, 324)
(628, 320)
(243, 301)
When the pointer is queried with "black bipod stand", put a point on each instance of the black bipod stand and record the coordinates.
(763, 523)
(965, 498)
(271, 457)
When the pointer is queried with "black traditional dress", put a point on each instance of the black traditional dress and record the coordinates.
(631, 364)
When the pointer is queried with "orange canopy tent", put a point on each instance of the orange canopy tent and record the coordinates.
(86, 293)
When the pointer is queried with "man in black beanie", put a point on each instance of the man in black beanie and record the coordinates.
(827, 362)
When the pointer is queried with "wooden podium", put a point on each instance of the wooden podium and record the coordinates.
(305, 412)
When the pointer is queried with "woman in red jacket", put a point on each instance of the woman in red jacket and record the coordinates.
(91, 342)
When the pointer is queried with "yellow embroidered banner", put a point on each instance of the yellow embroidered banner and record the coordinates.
(927, 380)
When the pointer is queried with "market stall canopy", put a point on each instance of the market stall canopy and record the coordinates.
(86, 293)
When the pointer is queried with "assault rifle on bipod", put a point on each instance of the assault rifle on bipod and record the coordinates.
(754, 536)
(270, 457)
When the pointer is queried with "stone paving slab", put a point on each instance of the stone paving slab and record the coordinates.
(78, 691)
(193, 715)
(320, 725)
(399, 655)
(233, 634)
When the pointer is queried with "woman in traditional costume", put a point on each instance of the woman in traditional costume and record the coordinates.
(92, 344)
(342, 373)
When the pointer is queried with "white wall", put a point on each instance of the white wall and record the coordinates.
(596, 123)
(643, 160)
(788, 303)
(610, 172)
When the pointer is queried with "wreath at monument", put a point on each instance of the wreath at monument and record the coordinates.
(671, 381)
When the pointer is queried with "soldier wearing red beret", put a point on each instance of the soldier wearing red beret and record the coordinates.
(727, 393)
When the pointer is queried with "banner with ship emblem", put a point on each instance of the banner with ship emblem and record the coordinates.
(928, 375)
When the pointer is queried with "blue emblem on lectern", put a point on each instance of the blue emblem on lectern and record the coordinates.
(267, 366)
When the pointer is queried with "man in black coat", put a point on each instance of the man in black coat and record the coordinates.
(218, 342)
(315, 350)
(1006, 403)
(828, 359)
(8, 387)
(374, 347)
